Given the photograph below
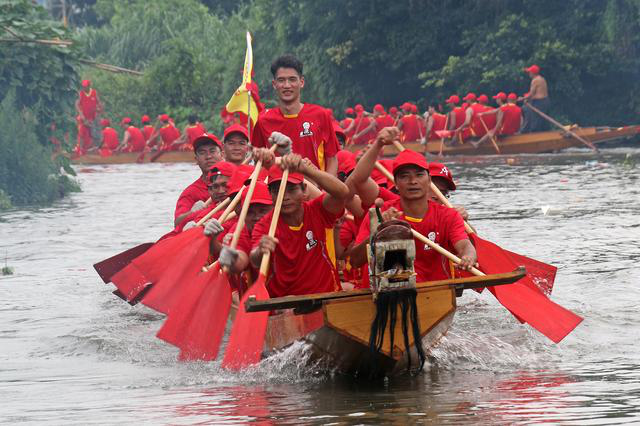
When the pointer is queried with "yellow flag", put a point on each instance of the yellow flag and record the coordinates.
(242, 101)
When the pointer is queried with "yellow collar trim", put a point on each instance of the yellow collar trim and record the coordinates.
(413, 219)
(296, 228)
(290, 115)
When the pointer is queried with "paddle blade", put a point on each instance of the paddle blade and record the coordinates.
(196, 324)
(130, 282)
(185, 265)
(542, 274)
(524, 299)
(247, 335)
(111, 266)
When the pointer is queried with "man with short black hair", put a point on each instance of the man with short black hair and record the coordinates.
(306, 128)
(235, 143)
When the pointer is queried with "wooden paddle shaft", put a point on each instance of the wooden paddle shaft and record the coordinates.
(560, 126)
(493, 139)
(434, 188)
(215, 210)
(264, 265)
(442, 251)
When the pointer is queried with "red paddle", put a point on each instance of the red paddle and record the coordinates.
(196, 323)
(247, 335)
(111, 266)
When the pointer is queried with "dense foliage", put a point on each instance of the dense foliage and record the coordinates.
(368, 52)
(37, 88)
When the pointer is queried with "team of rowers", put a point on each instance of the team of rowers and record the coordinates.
(323, 228)
(473, 120)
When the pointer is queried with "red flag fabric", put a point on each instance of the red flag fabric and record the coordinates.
(524, 299)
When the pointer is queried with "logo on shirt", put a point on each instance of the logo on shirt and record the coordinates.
(306, 129)
(311, 242)
(432, 237)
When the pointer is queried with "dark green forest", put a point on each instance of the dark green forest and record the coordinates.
(191, 53)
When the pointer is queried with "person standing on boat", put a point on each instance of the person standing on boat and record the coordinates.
(235, 144)
(414, 205)
(208, 151)
(538, 97)
(307, 126)
(88, 108)
(301, 261)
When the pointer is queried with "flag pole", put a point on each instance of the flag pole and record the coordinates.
(249, 114)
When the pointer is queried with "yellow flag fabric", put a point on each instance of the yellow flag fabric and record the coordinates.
(242, 101)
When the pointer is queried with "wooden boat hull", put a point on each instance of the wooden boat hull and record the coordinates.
(530, 143)
(338, 333)
(133, 157)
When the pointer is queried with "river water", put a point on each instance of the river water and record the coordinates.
(72, 353)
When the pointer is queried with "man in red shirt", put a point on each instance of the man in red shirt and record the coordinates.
(308, 126)
(379, 122)
(88, 107)
(473, 121)
(346, 121)
(457, 117)
(301, 263)
(501, 98)
(208, 151)
(409, 124)
(440, 224)
(435, 122)
(133, 139)
(235, 143)
(168, 133)
(509, 117)
(109, 138)
(191, 132)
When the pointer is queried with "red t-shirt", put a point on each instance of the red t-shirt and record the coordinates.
(147, 131)
(440, 224)
(301, 263)
(310, 131)
(192, 193)
(89, 104)
(477, 128)
(169, 134)
(511, 119)
(345, 122)
(439, 123)
(109, 138)
(136, 141)
(461, 115)
(410, 128)
(194, 132)
(362, 122)
(489, 119)
(384, 121)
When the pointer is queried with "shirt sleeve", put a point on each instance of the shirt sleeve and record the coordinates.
(184, 204)
(331, 146)
(316, 208)
(455, 226)
(258, 139)
(347, 233)
(261, 228)
(244, 242)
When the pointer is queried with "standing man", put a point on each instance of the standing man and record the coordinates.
(307, 126)
(88, 107)
(538, 97)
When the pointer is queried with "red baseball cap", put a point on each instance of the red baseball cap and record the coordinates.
(393, 110)
(338, 130)
(86, 83)
(500, 95)
(126, 120)
(409, 157)
(236, 128)
(470, 97)
(145, 119)
(533, 69)
(105, 122)
(359, 107)
(439, 169)
(483, 99)
(348, 111)
(260, 194)
(164, 117)
(275, 175)
(378, 108)
(512, 96)
(346, 161)
(414, 108)
(406, 106)
(205, 138)
(453, 99)
(223, 168)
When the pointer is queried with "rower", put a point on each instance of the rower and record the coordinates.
(457, 116)
(301, 262)
(379, 122)
(501, 98)
(485, 114)
(191, 132)
(88, 108)
(538, 97)
(363, 126)
(348, 114)
(308, 126)
(434, 123)
(508, 119)
(167, 132)
(133, 139)
(235, 144)
(408, 124)
(147, 129)
(438, 223)
(109, 138)
(472, 126)
(208, 151)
